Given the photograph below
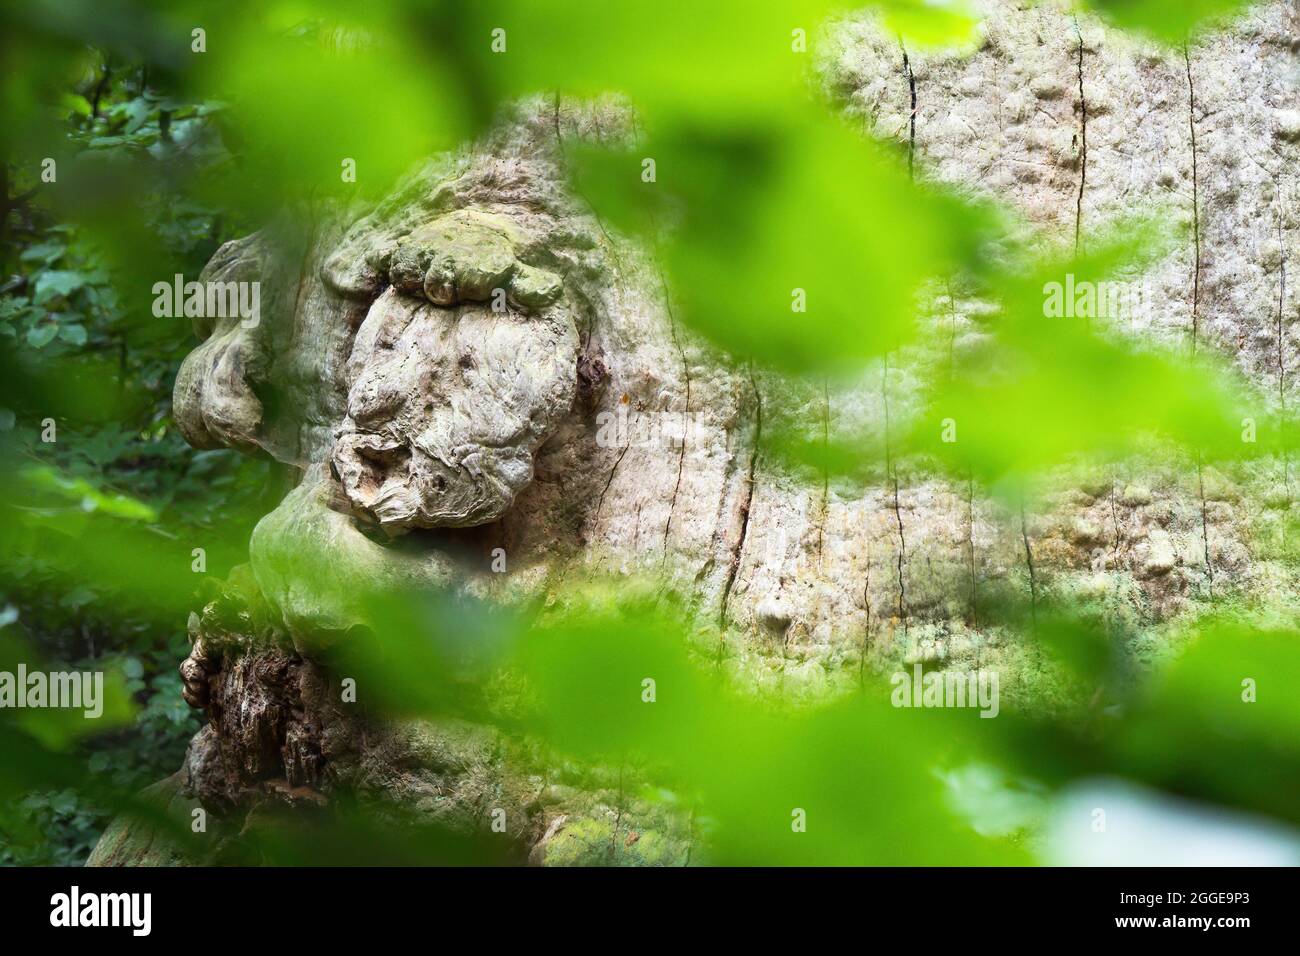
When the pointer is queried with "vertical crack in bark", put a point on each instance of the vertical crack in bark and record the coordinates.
(1205, 528)
(1029, 563)
(866, 604)
(1281, 367)
(1115, 577)
(618, 817)
(1196, 202)
(610, 246)
(952, 331)
(891, 468)
(973, 613)
(609, 481)
(733, 566)
(891, 472)
(911, 119)
(686, 374)
(825, 503)
(1083, 147)
(1114, 518)
(1281, 299)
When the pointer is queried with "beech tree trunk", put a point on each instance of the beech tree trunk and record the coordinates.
(594, 433)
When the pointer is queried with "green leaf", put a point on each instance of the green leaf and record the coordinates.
(57, 282)
(73, 334)
(793, 241)
(90, 497)
(931, 22)
(11, 306)
(1170, 22)
(76, 103)
(46, 252)
(41, 335)
(137, 112)
(78, 597)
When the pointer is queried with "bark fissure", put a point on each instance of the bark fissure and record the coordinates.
(825, 502)
(1205, 528)
(1281, 301)
(1029, 563)
(970, 545)
(747, 500)
(600, 503)
(1281, 368)
(866, 604)
(891, 468)
(911, 119)
(1114, 517)
(952, 331)
(686, 375)
(1196, 202)
(1083, 146)
(891, 471)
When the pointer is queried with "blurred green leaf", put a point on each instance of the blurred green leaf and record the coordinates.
(1164, 20)
(39, 336)
(816, 283)
(57, 282)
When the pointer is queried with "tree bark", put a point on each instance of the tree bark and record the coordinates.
(573, 403)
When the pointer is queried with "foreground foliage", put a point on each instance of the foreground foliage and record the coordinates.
(163, 154)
